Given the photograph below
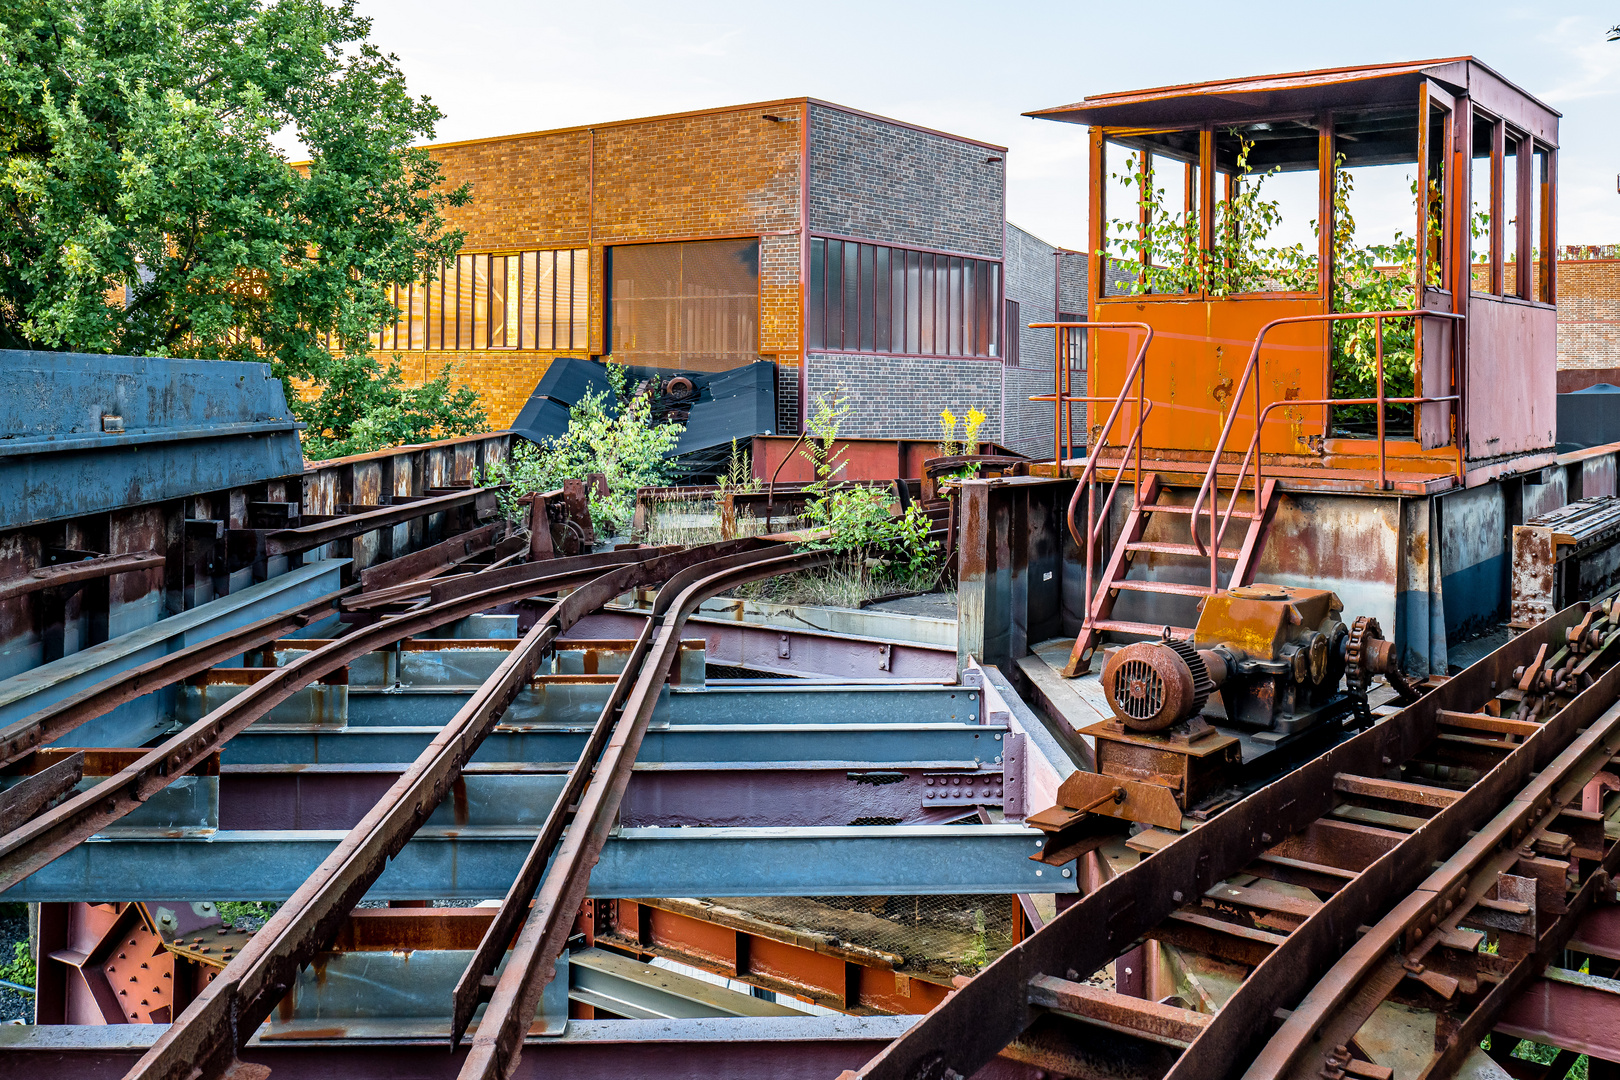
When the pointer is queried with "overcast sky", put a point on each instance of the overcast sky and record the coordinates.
(498, 67)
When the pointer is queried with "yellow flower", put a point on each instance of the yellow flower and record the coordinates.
(947, 418)
(975, 418)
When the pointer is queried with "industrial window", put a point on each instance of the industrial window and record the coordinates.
(872, 298)
(1014, 326)
(692, 305)
(521, 300)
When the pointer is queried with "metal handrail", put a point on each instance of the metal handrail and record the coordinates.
(1218, 531)
(1135, 374)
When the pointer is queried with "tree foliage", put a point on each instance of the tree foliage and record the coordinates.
(145, 208)
(364, 407)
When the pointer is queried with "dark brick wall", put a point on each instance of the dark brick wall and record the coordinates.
(888, 183)
(901, 396)
(1031, 269)
(787, 396)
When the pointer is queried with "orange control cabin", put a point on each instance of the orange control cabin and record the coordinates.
(1264, 233)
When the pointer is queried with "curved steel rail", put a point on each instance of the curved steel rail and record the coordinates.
(1210, 890)
(498, 1044)
(204, 1040)
(59, 830)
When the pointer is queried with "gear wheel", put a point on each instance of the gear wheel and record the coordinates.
(1356, 676)
(1203, 685)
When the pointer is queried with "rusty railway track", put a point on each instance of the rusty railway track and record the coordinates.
(204, 1041)
(1430, 865)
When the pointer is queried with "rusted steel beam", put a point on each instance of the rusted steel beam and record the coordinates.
(792, 960)
(1568, 1009)
(1401, 942)
(498, 1044)
(429, 560)
(309, 537)
(49, 724)
(1149, 1019)
(1283, 819)
(67, 573)
(28, 797)
(204, 1041)
(50, 835)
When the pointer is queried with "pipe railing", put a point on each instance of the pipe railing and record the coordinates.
(1063, 404)
(1208, 488)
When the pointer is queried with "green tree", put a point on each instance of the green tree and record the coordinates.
(365, 407)
(145, 208)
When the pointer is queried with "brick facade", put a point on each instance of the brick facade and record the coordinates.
(881, 181)
(878, 408)
(1588, 314)
(1031, 281)
(721, 173)
(732, 173)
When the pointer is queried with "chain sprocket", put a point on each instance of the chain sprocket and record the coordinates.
(1357, 679)
(1358, 674)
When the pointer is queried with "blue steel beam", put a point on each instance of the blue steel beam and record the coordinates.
(784, 1048)
(863, 744)
(362, 705)
(468, 863)
(159, 429)
(552, 702)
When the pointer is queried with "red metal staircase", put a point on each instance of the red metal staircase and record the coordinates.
(1100, 607)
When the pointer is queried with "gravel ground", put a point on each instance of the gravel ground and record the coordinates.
(13, 928)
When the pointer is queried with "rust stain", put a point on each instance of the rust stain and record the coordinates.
(458, 798)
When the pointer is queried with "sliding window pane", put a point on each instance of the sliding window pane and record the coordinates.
(914, 302)
(867, 296)
(435, 310)
(834, 338)
(545, 288)
(815, 300)
(897, 302)
(954, 314)
(565, 300)
(497, 301)
(525, 315)
(464, 301)
(581, 278)
(419, 315)
(970, 345)
(852, 296)
(925, 340)
(480, 302)
(880, 301)
(997, 331)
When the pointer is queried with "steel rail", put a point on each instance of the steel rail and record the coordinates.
(44, 727)
(57, 831)
(1305, 957)
(203, 1042)
(498, 1044)
(1341, 1002)
(471, 989)
(1156, 898)
(347, 526)
(69, 573)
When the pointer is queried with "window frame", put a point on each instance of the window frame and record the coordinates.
(933, 300)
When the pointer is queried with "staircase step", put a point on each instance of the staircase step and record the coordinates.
(1203, 511)
(1120, 626)
(1172, 587)
(1179, 549)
